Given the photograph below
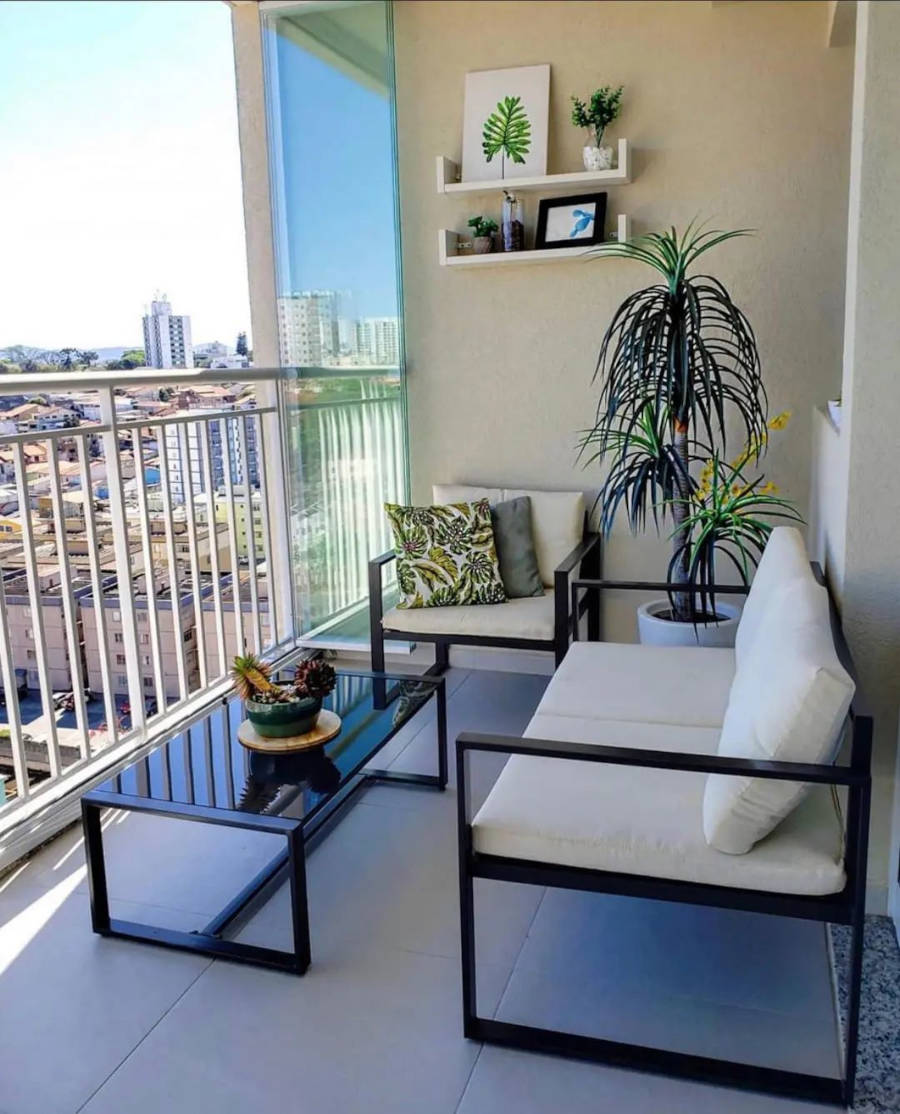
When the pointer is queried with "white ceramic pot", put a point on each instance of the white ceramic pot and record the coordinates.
(483, 245)
(597, 158)
(656, 631)
(834, 412)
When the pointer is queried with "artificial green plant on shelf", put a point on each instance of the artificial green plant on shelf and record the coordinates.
(595, 115)
(677, 364)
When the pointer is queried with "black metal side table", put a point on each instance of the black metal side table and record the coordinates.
(204, 775)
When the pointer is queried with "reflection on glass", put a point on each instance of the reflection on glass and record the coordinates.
(330, 116)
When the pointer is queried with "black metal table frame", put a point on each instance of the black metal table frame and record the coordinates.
(289, 864)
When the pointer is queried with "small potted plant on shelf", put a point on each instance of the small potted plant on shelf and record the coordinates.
(596, 115)
(483, 229)
(276, 710)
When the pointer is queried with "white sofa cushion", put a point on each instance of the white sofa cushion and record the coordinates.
(788, 702)
(641, 821)
(557, 518)
(784, 559)
(656, 684)
(530, 617)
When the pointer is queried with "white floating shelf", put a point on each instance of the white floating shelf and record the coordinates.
(448, 249)
(448, 173)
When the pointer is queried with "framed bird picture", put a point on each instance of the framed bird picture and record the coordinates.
(568, 222)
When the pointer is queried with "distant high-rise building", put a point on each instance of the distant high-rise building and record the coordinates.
(167, 337)
(308, 328)
(378, 341)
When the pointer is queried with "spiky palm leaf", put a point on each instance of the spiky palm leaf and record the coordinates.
(507, 130)
(676, 357)
(251, 675)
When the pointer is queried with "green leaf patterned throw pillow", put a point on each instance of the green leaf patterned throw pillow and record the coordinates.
(445, 555)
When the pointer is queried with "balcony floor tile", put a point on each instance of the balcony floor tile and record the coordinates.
(375, 1024)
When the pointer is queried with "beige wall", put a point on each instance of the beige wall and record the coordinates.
(737, 112)
(862, 535)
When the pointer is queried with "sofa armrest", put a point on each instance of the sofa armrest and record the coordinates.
(565, 617)
(384, 559)
(578, 554)
(376, 609)
(655, 586)
(856, 776)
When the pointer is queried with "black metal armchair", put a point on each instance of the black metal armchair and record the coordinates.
(583, 561)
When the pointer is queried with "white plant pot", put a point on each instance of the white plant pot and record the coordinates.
(655, 631)
(834, 412)
(597, 158)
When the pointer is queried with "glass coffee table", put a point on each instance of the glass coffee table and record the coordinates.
(203, 774)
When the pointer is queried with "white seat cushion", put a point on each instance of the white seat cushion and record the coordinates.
(656, 684)
(784, 559)
(789, 701)
(645, 822)
(531, 618)
(557, 518)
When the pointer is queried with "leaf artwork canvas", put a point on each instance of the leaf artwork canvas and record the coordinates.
(505, 124)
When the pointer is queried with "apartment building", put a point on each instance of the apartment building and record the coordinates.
(177, 624)
(22, 623)
(232, 607)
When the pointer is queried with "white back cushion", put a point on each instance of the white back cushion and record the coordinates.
(788, 702)
(784, 559)
(557, 518)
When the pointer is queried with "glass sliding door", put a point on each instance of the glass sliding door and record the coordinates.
(330, 108)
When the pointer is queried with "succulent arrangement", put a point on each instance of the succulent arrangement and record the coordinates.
(252, 681)
(279, 710)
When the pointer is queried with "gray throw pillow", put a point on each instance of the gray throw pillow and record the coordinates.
(514, 541)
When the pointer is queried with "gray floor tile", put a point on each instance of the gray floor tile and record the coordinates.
(719, 955)
(75, 1005)
(379, 1032)
(382, 877)
(504, 1081)
(652, 1016)
(500, 703)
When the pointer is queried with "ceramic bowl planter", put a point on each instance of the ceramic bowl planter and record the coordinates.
(284, 719)
(597, 158)
(482, 245)
(655, 630)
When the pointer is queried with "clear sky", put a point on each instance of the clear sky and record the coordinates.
(340, 203)
(119, 171)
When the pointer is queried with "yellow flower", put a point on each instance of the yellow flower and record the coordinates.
(769, 489)
(780, 420)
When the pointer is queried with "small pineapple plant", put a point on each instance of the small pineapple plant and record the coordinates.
(281, 710)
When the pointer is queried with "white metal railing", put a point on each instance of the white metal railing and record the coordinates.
(152, 544)
(120, 617)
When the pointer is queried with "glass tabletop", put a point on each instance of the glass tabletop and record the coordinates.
(206, 765)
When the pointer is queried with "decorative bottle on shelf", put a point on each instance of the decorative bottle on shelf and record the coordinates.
(512, 224)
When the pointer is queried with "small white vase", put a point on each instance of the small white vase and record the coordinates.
(654, 630)
(597, 158)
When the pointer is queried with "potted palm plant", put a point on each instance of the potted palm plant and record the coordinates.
(678, 362)
(282, 710)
